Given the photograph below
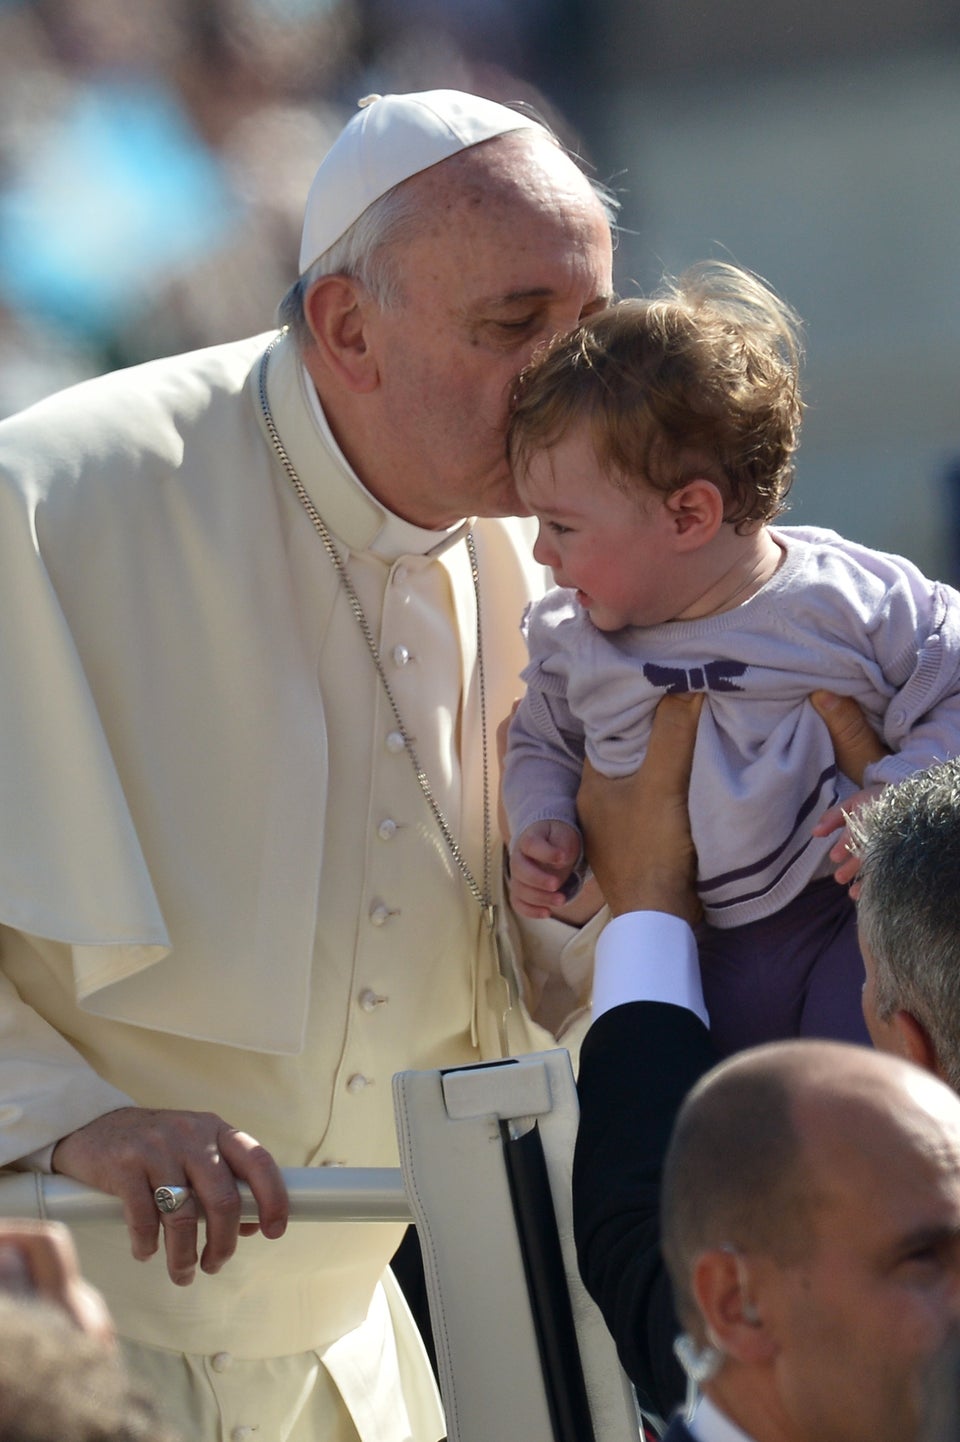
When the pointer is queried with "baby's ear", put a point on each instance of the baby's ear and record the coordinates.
(696, 511)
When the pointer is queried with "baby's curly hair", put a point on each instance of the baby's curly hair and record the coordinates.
(699, 380)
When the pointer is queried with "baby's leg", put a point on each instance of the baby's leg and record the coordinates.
(833, 1002)
(753, 982)
(796, 973)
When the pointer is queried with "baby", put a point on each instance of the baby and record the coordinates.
(655, 447)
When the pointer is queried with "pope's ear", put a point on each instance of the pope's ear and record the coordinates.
(337, 310)
(696, 513)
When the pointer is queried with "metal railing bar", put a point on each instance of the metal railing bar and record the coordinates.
(359, 1194)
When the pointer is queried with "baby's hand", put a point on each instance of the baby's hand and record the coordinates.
(540, 863)
(846, 863)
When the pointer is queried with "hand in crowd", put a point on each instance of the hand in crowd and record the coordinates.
(637, 828)
(38, 1259)
(132, 1151)
(855, 745)
(846, 862)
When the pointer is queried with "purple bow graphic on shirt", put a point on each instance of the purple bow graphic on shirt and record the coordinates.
(714, 676)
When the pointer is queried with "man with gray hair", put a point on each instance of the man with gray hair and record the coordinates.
(258, 622)
(908, 918)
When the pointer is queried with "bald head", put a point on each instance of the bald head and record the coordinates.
(770, 1138)
(528, 164)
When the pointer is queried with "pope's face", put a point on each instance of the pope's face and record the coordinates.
(504, 263)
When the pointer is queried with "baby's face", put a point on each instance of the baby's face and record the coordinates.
(610, 546)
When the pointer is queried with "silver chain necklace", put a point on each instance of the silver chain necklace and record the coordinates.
(483, 895)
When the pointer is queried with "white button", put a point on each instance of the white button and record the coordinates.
(221, 1361)
(387, 829)
(395, 741)
(400, 655)
(357, 1083)
(380, 914)
(327, 1162)
(369, 1000)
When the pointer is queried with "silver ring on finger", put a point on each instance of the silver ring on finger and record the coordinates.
(171, 1199)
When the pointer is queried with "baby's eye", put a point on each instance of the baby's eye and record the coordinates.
(557, 529)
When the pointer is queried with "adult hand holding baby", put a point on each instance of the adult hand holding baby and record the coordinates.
(856, 745)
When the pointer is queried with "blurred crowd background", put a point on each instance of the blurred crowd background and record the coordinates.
(155, 155)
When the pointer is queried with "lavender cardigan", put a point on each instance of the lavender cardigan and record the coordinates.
(835, 615)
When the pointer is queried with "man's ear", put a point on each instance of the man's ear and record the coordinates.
(732, 1314)
(337, 310)
(696, 513)
(912, 1040)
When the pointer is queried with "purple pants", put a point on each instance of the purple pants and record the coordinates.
(797, 973)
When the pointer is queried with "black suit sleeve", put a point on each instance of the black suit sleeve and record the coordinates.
(637, 1064)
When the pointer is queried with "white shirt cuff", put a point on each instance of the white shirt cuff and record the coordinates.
(647, 956)
(39, 1161)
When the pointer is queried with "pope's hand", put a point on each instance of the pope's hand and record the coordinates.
(132, 1151)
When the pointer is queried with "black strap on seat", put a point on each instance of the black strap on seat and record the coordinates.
(556, 1333)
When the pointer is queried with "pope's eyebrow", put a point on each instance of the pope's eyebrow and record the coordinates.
(542, 292)
(515, 297)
